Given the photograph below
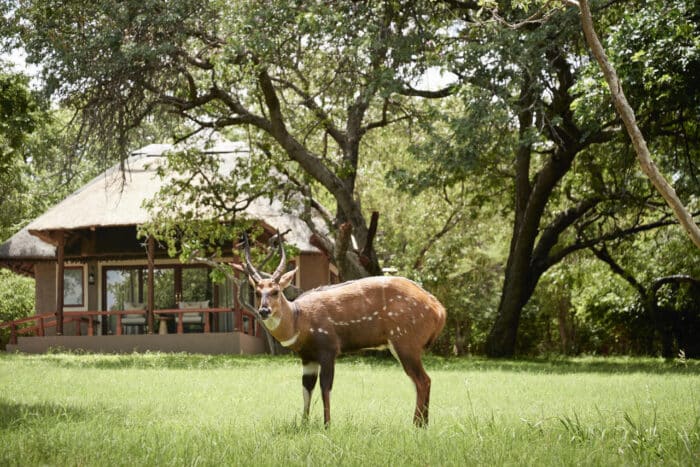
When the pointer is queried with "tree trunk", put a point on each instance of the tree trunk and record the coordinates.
(340, 185)
(501, 340)
(519, 284)
(564, 327)
(458, 347)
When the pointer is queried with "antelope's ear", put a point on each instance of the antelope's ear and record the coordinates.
(287, 278)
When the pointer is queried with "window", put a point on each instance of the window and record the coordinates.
(196, 285)
(129, 285)
(171, 285)
(73, 290)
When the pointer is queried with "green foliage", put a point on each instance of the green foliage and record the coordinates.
(45, 169)
(20, 115)
(437, 237)
(604, 314)
(201, 211)
(16, 300)
(16, 296)
(656, 52)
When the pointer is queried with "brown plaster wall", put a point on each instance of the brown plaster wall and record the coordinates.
(313, 270)
(45, 276)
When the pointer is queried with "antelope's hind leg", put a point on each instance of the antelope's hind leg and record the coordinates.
(413, 366)
(308, 381)
(327, 375)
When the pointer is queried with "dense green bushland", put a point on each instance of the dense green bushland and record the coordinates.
(159, 409)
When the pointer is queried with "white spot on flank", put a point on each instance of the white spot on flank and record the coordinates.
(391, 332)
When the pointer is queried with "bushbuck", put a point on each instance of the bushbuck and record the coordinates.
(370, 313)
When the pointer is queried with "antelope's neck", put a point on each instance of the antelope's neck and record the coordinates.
(282, 326)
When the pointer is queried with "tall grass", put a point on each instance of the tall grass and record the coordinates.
(159, 409)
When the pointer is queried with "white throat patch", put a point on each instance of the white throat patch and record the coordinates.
(272, 322)
(290, 341)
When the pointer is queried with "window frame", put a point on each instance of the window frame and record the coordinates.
(66, 270)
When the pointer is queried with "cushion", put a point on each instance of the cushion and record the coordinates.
(185, 305)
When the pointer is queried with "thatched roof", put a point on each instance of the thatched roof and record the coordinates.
(115, 198)
(22, 250)
(26, 246)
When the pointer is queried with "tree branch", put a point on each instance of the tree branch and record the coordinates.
(603, 255)
(550, 235)
(451, 222)
(677, 278)
(583, 242)
(409, 91)
(322, 116)
(371, 232)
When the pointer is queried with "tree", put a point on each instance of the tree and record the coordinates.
(532, 78)
(307, 81)
(20, 115)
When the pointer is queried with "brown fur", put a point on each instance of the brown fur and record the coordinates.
(366, 313)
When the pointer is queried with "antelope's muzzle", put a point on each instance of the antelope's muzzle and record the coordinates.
(265, 312)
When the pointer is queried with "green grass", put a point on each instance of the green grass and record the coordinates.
(159, 409)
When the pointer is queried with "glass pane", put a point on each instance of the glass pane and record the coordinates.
(124, 286)
(226, 290)
(196, 285)
(163, 288)
(73, 287)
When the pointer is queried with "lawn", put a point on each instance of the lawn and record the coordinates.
(159, 409)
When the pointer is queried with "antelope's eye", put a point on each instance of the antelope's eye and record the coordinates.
(274, 293)
(258, 293)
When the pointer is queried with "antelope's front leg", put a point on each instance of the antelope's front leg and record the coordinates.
(327, 373)
(308, 381)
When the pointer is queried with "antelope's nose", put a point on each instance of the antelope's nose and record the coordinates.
(264, 311)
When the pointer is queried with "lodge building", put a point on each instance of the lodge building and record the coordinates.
(101, 288)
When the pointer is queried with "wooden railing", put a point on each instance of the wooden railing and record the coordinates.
(38, 324)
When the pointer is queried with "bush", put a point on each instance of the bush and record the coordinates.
(17, 299)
